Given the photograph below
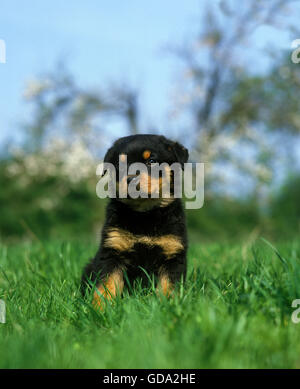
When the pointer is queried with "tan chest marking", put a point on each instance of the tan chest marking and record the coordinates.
(122, 240)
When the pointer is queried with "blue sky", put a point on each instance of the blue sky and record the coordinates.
(102, 42)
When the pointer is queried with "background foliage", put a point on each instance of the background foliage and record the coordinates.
(243, 123)
(240, 118)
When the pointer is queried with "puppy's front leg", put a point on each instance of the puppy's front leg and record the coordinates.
(173, 271)
(165, 285)
(110, 286)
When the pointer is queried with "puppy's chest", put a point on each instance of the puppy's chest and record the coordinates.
(141, 247)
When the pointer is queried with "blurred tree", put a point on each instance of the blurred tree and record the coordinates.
(241, 117)
(236, 110)
(126, 104)
(61, 108)
(285, 207)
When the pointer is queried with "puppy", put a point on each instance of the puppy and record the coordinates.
(144, 236)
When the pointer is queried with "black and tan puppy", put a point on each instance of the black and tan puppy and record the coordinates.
(143, 234)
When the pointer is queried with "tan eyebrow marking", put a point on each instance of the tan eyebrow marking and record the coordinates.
(122, 240)
(146, 154)
(123, 157)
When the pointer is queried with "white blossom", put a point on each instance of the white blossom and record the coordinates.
(35, 87)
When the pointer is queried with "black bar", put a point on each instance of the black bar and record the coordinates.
(137, 377)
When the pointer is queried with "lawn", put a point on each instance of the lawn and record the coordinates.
(234, 311)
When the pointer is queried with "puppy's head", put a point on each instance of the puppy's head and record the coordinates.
(143, 174)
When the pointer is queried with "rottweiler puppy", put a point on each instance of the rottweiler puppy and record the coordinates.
(144, 236)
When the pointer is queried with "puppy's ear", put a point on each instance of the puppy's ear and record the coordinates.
(180, 152)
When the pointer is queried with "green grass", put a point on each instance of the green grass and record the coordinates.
(234, 311)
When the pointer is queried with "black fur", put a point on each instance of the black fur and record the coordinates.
(155, 222)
